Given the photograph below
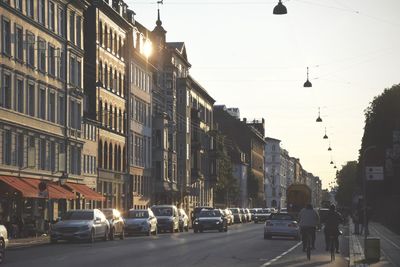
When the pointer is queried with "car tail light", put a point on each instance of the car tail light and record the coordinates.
(292, 224)
(268, 223)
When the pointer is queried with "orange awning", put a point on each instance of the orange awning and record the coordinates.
(18, 184)
(55, 191)
(84, 190)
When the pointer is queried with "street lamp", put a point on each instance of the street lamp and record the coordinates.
(279, 9)
(319, 115)
(325, 136)
(307, 83)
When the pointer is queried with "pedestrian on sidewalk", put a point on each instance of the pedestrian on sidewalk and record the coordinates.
(331, 228)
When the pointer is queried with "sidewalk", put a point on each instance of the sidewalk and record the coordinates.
(389, 245)
(27, 242)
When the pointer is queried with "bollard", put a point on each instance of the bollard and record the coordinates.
(372, 248)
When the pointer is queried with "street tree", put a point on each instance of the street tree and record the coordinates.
(346, 180)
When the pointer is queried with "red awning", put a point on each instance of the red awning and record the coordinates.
(18, 184)
(84, 190)
(55, 191)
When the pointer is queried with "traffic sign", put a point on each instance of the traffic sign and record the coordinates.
(374, 173)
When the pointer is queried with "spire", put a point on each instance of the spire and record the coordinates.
(159, 22)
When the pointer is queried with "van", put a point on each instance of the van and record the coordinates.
(167, 217)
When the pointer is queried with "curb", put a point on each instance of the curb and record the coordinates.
(28, 243)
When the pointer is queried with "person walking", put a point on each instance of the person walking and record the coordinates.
(308, 221)
(331, 228)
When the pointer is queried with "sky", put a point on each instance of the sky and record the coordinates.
(246, 57)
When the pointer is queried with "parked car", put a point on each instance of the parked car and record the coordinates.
(81, 225)
(196, 212)
(210, 220)
(248, 213)
(260, 216)
(237, 217)
(117, 224)
(229, 216)
(141, 221)
(167, 217)
(281, 224)
(3, 243)
(243, 214)
(183, 220)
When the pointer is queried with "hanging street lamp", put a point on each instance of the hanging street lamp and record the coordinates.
(279, 9)
(307, 83)
(319, 116)
(325, 136)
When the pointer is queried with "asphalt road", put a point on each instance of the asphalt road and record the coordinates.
(242, 245)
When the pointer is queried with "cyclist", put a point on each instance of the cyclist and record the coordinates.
(308, 221)
(333, 220)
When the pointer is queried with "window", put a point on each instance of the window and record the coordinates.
(52, 61)
(100, 33)
(61, 110)
(30, 46)
(52, 155)
(42, 154)
(42, 55)
(51, 16)
(18, 5)
(42, 11)
(42, 103)
(78, 31)
(7, 147)
(52, 107)
(72, 27)
(75, 115)
(61, 22)
(19, 96)
(5, 98)
(62, 68)
(72, 70)
(29, 8)
(31, 99)
(19, 43)
(79, 74)
(20, 150)
(6, 40)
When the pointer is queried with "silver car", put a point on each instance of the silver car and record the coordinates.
(141, 222)
(281, 224)
(80, 225)
(3, 242)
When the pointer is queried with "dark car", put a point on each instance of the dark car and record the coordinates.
(261, 215)
(117, 223)
(210, 220)
(196, 212)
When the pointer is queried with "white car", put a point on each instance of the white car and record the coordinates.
(3, 242)
(183, 220)
(281, 224)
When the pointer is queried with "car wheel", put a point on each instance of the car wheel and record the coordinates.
(92, 237)
(2, 251)
(106, 235)
(112, 233)
(122, 236)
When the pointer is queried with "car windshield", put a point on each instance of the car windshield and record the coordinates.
(162, 211)
(138, 214)
(284, 217)
(78, 215)
(209, 213)
(108, 213)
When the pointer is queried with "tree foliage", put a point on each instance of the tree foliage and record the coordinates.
(346, 180)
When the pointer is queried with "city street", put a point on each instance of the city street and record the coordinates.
(242, 245)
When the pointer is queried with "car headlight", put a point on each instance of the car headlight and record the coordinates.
(218, 222)
(196, 222)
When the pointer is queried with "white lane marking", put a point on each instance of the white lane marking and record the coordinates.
(280, 256)
(388, 240)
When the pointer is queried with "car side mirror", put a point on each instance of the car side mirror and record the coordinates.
(97, 220)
